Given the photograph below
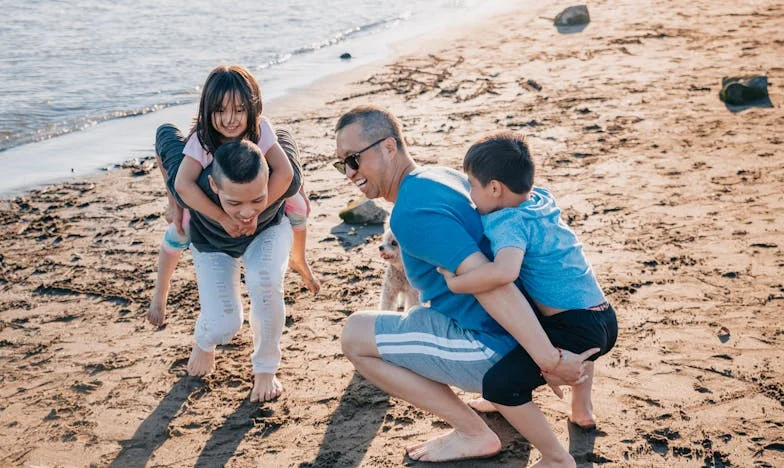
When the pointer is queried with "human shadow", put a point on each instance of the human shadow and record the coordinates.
(352, 235)
(353, 425)
(224, 440)
(581, 444)
(154, 430)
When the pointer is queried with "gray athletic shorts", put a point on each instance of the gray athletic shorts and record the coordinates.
(434, 346)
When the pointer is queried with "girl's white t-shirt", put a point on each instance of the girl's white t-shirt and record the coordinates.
(193, 148)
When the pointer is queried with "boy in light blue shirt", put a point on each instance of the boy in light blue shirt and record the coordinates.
(535, 248)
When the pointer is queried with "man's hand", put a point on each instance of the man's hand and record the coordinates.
(448, 276)
(570, 370)
(173, 215)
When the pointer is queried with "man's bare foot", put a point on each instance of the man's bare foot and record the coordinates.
(482, 405)
(201, 362)
(456, 446)
(303, 268)
(266, 387)
(156, 314)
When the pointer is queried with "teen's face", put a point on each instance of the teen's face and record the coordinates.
(243, 202)
(231, 119)
(482, 196)
(373, 165)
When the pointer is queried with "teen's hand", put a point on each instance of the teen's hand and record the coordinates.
(448, 277)
(571, 368)
(249, 229)
(232, 227)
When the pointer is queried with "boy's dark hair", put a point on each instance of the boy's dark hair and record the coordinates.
(503, 157)
(235, 81)
(238, 161)
(376, 123)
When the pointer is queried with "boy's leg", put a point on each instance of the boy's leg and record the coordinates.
(220, 318)
(582, 406)
(266, 260)
(470, 437)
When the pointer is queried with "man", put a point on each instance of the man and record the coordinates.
(237, 181)
(417, 355)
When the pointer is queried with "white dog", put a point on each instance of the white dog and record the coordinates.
(396, 285)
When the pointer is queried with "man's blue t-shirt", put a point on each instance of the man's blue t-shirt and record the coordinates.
(436, 225)
(555, 271)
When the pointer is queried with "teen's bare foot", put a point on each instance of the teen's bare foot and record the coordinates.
(201, 362)
(456, 446)
(566, 462)
(266, 387)
(482, 405)
(303, 268)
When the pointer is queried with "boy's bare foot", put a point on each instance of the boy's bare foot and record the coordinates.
(456, 446)
(201, 362)
(567, 462)
(156, 314)
(265, 387)
(303, 268)
(482, 405)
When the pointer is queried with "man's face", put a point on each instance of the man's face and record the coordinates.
(243, 202)
(370, 177)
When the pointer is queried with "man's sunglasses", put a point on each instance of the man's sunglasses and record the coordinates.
(352, 160)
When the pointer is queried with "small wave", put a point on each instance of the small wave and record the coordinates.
(9, 140)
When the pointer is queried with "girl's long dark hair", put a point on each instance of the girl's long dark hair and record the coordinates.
(233, 80)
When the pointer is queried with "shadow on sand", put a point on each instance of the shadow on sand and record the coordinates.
(348, 437)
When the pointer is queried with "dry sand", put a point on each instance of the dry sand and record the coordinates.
(677, 198)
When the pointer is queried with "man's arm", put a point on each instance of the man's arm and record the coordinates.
(511, 310)
(503, 270)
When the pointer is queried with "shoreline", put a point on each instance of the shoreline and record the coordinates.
(675, 197)
(115, 142)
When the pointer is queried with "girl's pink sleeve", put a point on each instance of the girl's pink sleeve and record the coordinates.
(267, 136)
(193, 149)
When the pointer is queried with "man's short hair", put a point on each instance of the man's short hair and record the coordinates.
(238, 161)
(503, 157)
(376, 123)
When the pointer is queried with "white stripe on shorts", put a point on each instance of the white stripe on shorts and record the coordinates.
(470, 350)
(432, 351)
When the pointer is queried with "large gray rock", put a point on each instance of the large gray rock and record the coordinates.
(363, 212)
(740, 90)
(572, 16)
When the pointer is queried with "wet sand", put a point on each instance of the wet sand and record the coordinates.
(676, 197)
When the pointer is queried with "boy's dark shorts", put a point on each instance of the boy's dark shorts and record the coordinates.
(511, 381)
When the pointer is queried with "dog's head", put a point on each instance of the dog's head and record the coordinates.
(389, 249)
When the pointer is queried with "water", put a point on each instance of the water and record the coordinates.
(69, 65)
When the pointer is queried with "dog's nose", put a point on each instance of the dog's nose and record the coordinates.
(380, 248)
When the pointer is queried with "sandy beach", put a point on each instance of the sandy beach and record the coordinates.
(676, 197)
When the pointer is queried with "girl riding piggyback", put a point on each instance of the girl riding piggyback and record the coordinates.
(230, 109)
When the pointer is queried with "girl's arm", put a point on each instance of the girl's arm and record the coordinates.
(186, 186)
(503, 270)
(281, 172)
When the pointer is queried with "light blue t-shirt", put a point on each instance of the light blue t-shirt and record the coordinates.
(555, 271)
(436, 225)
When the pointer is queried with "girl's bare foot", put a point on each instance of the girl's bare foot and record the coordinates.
(201, 362)
(456, 446)
(156, 314)
(482, 405)
(266, 387)
(303, 268)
